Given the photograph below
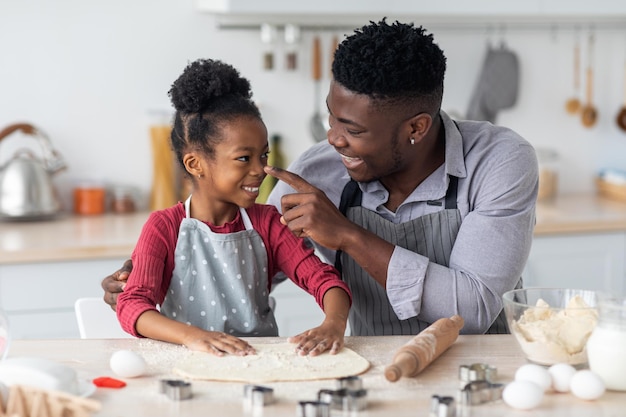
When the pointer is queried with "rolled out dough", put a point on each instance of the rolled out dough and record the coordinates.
(272, 363)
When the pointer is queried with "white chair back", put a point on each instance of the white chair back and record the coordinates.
(96, 320)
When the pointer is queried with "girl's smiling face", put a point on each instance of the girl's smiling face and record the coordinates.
(232, 175)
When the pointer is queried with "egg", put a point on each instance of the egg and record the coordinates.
(561, 374)
(534, 373)
(587, 385)
(522, 395)
(127, 364)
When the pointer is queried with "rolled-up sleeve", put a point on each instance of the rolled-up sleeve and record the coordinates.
(405, 282)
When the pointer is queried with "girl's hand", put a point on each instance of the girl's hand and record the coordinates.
(328, 336)
(218, 343)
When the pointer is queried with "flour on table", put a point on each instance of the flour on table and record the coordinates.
(272, 363)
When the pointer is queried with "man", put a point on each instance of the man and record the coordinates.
(426, 217)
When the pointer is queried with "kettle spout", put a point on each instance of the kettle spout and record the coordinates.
(53, 159)
(55, 162)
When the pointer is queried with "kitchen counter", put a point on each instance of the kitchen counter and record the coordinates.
(407, 397)
(114, 235)
(69, 238)
(580, 213)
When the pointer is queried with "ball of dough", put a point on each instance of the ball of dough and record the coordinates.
(127, 364)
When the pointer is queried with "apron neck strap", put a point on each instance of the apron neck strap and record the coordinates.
(187, 205)
(244, 214)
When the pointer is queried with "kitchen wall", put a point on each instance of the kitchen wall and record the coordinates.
(95, 74)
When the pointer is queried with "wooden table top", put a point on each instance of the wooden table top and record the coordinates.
(407, 397)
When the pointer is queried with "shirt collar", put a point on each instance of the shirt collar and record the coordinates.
(455, 162)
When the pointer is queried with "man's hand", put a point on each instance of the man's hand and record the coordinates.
(309, 213)
(114, 284)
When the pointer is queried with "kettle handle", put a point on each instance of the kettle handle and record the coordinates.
(54, 161)
(24, 127)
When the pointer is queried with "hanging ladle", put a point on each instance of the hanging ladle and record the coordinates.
(316, 124)
(573, 105)
(589, 114)
(621, 116)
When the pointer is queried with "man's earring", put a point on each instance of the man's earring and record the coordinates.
(412, 141)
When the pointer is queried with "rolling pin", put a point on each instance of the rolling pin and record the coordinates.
(419, 352)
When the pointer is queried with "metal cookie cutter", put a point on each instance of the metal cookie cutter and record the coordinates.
(257, 396)
(344, 399)
(477, 372)
(334, 398)
(350, 382)
(356, 400)
(175, 389)
(479, 392)
(442, 406)
(313, 409)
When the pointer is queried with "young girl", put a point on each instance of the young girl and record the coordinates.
(209, 262)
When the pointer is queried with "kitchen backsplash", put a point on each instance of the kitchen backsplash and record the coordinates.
(91, 74)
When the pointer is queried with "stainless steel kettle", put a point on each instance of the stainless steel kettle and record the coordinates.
(26, 188)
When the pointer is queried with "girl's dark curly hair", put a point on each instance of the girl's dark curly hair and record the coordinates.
(396, 63)
(207, 94)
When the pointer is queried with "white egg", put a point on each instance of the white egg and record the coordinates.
(587, 385)
(127, 364)
(534, 373)
(562, 374)
(522, 395)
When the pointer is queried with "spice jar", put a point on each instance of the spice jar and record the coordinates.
(605, 347)
(89, 199)
(122, 200)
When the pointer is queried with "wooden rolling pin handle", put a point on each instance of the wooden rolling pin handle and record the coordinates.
(423, 349)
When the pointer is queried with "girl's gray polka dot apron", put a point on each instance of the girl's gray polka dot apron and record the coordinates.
(220, 281)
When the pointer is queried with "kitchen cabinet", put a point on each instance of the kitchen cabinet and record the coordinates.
(587, 260)
(45, 266)
(38, 298)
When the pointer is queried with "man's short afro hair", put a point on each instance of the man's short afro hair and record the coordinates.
(397, 61)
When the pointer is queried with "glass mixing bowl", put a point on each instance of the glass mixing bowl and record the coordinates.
(552, 325)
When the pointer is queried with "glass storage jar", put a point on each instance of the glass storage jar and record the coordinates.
(123, 200)
(548, 173)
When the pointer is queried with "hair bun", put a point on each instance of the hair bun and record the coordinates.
(205, 81)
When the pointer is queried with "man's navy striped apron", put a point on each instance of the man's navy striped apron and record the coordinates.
(431, 235)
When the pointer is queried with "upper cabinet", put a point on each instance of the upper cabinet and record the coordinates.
(333, 12)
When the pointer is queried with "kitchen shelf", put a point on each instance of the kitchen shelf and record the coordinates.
(442, 15)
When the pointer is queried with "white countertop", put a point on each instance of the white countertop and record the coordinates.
(407, 397)
(70, 238)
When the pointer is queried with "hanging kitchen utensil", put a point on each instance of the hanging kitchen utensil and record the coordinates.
(498, 84)
(292, 38)
(621, 116)
(589, 114)
(26, 188)
(268, 36)
(573, 104)
(316, 124)
(333, 49)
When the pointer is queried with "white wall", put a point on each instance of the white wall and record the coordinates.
(89, 73)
